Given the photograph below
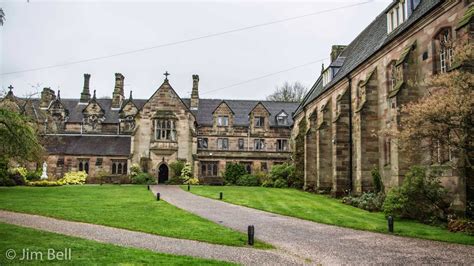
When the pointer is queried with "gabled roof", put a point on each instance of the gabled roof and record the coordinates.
(260, 103)
(373, 38)
(241, 110)
(223, 102)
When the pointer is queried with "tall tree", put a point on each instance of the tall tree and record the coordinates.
(442, 122)
(289, 92)
(18, 138)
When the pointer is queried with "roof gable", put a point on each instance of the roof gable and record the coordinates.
(262, 105)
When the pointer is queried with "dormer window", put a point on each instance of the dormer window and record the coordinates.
(397, 15)
(223, 121)
(259, 121)
(282, 119)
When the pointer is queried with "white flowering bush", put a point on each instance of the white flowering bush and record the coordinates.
(187, 175)
(73, 178)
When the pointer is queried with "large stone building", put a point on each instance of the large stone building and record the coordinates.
(359, 94)
(106, 136)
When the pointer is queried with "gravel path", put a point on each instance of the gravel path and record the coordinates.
(122, 237)
(320, 243)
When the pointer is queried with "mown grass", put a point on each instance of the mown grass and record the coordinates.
(83, 252)
(324, 209)
(129, 207)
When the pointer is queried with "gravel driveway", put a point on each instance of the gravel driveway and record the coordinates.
(320, 243)
(122, 237)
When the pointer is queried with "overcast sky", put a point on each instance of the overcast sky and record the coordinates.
(39, 34)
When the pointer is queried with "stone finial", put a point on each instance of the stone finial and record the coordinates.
(94, 97)
(166, 75)
(59, 94)
(130, 98)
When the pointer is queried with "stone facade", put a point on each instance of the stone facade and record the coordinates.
(374, 76)
(107, 136)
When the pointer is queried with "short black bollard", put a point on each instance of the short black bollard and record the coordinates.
(220, 195)
(148, 187)
(157, 196)
(251, 234)
(390, 224)
(189, 187)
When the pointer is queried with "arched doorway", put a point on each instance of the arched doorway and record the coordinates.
(162, 173)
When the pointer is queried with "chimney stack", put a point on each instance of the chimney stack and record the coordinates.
(336, 50)
(85, 94)
(47, 96)
(195, 93)
(118, 95)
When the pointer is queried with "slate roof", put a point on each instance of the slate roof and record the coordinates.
(367, 43)
(90, 145)
(241, 108)
(204, 114)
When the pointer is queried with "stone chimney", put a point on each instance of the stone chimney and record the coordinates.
(85, 94)
(336, 50)
(117, 96)
(47, 96)
(195, 93)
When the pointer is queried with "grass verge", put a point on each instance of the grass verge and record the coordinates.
(45, 247)
(324, 209)
(129, 207)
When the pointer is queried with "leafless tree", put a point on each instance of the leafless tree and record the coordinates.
(289, 92)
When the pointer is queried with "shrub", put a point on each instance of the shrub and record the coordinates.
(280, 183)
(264, 179)
(6, 181)
(177, 167)
(285, 172)
(135, 170)
(233, 171)
(248, 180)
(33, 175)
(192, 181)
(377, 180)
(143, 179)
(368, 201)
(420, 197)
(44, 183)
(461, 225)
(73, 178)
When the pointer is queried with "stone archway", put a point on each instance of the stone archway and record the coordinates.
(163, 173)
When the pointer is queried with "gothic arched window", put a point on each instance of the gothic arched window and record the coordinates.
(445, 50)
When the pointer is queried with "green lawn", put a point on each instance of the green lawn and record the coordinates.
(323, 209)
(130, 207)
(83, 252)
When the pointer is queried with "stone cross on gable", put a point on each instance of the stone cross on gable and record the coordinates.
(166, 75)
(10, 87)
